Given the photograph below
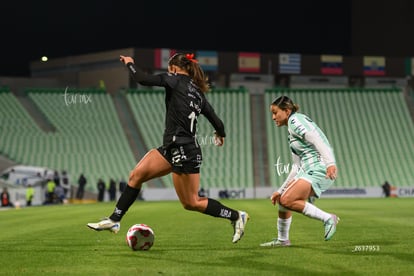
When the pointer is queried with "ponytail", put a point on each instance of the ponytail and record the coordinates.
(188, 63)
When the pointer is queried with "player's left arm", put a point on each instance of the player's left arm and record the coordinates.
(218, 140)
(325, 151)
(214, 120)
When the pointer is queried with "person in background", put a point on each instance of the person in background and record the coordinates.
(101, 189)
(65, 183)
(386, 189)
(313, 171)
(29, 195)
(50, 186)
(56, 178)
(60, 194)
(112, 190)
(81, 186)
(180, 154)
(5, 198)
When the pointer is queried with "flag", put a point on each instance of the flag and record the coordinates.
(208, 60)
(331, 65)
(249, 62)
(289, 63)
(161, 57)
(409, 66)
(374, 66)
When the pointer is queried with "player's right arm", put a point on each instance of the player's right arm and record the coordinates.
(140, 76)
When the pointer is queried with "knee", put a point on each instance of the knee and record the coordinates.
(190, 206)
(135, 179)
(285, 202)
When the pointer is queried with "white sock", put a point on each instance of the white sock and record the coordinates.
(283, 227)
(312, 211)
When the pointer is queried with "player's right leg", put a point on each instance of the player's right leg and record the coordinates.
(330, 227)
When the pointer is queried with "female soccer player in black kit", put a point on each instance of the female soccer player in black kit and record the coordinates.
(185, 84)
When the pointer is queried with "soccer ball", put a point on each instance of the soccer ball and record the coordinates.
(140, 237)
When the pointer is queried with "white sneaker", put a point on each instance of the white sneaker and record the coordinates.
(105, 224)
(239, 225)
(276, 243)
(330, 227)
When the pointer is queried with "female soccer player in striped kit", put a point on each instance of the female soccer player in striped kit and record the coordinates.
(313, 171)
(180, 154)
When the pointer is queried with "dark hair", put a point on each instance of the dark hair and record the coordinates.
(284, 103)
(190, 65)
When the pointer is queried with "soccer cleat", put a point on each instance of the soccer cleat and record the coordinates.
(105, 224)
(276, 243)
(239, 225)
(330, 227)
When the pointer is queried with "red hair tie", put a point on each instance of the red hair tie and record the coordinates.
(191, 57)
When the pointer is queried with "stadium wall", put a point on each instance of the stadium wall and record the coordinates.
(103, 68)
(17, 195)
(96, 70)
(154, 194)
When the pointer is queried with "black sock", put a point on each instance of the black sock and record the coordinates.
(216, 209)
(126, 199)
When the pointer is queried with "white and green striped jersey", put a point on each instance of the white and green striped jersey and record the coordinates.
(307, 141)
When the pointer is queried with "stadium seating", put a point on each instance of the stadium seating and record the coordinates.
(88, 138)
(371, 131)
(16, 127)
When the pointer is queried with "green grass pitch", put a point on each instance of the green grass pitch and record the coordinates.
(374, 237)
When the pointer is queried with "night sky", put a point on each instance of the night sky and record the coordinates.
(62, 28)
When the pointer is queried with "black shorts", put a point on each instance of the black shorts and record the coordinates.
(184, 158)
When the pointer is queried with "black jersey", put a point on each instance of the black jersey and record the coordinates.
(184, 102)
